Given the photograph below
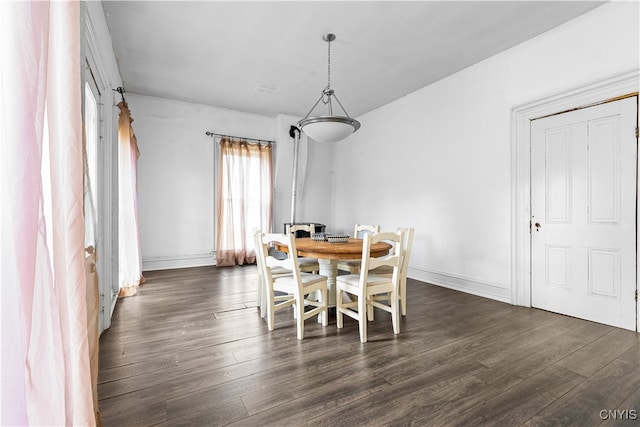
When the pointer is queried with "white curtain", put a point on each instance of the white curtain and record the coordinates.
(45, 357)
(128, 234)
(245, 199)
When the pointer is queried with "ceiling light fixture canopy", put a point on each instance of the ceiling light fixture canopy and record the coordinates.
(329, 128)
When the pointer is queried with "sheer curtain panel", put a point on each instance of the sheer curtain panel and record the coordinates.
(45, 357)
(130, 260)
(245, 198)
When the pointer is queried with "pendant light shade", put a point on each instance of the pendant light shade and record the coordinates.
(330, 127)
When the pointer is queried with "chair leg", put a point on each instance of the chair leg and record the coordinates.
(403, 297)
(262, 303)
(362, 317)
(339, 323)
(259, 293)
(270, 310)
(324, 314)
(395, 313)
(300, 318)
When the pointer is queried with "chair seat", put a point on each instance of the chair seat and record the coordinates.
(372, 279)
(308, 265)
(288, 283)
(353, 266)
(279, 271)
(350, 265)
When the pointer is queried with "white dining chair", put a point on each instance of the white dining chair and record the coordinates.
(365, 285)
(407, 243)
(307, 265)
(352, 266)
(262, 284)
(296, 289)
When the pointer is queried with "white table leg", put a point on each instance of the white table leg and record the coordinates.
(329, 268)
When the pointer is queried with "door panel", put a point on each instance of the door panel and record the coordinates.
(559, 176)
(583, 196)
(604, 171)
(558, 267)
(604, 279)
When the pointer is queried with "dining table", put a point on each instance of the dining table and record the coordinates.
(329, 253)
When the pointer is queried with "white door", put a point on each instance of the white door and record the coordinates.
(583, 206)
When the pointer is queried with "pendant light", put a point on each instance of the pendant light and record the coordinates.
(328, 128)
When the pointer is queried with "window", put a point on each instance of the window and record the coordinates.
(245, 199)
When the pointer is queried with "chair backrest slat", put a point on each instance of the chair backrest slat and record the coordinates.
(407, 243)
(289, 263)
(361, 229)
(392, 260)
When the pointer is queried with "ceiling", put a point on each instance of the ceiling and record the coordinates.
(269, 58)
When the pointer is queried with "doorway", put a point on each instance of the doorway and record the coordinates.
(583, 210)
(623, 85)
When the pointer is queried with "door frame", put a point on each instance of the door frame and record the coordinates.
(107, 172)
(621, 85)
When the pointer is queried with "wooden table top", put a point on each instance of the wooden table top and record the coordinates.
(352, 249)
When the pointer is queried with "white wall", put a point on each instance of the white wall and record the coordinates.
(176, 173)
(176, 176)
(439, 159)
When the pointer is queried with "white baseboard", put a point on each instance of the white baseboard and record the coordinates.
(445, 280)
(462, 284)
(181, 261)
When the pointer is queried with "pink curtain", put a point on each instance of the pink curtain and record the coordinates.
(128, 234)
(45, 357)
(245, 198)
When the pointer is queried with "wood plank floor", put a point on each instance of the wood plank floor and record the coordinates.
(191, 350)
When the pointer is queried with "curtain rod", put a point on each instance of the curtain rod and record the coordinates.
(258, 141)
(120, 90)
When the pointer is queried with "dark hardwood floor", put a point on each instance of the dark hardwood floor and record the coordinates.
(191, 350)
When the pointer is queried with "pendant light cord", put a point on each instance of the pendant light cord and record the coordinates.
(329, 65)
